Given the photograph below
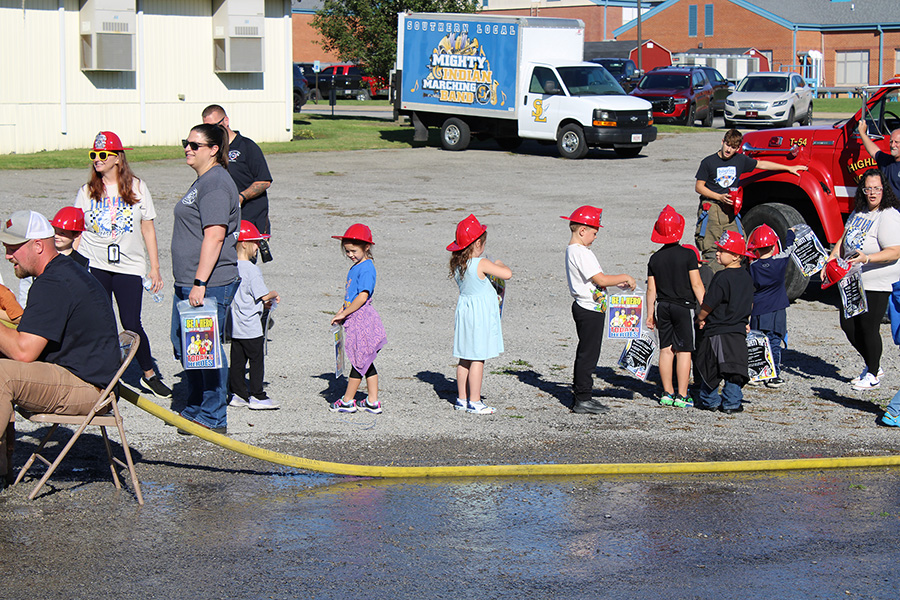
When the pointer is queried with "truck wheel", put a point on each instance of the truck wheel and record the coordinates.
(779, 217)
(807, 120)
(455, 134)
(509, 143)
(363, 95)
(570, 142)
(690, 116)
(628, 151)
(316, 95)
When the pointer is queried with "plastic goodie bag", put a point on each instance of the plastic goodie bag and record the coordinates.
(337, 335)
(625, 315)
(807, 251)
(853, 295)
(499, 287)
(200, 344)
(637, 356)
(760, 361)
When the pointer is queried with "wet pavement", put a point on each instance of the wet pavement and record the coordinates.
(279, 534)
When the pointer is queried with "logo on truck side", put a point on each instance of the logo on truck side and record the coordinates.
(459, 72)
(538, 112)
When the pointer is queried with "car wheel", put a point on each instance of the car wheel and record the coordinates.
(779, 217)
(363, 95)
(298, 101)
(690, 116)
(455, 134)
(570, 142)
(807, 120)
(708, 121)
(729, 124)
(316, 95)
(628, 151)
(789, 122)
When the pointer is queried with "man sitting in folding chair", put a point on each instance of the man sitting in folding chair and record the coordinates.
(66, 348)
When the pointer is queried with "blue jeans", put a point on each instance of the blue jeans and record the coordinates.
(207, 388)
(894, 406)
(731, 397)
(775, 341)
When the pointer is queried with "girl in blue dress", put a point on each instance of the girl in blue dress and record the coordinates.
(477, 335)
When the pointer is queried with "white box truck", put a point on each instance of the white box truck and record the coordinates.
(512, 78)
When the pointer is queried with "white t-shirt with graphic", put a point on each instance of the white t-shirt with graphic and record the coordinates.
(870, 232)
(110, 220)
(581, 265)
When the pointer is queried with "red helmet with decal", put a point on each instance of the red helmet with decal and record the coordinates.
(69, 218)
(835, 270)
(737, 198)
(668, 228)
(586, 215)
(249, 233)
(763, 237)
(732, 241)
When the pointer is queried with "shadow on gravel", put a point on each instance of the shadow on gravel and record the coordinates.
(831, 395)
(806, 366)
(336, 387)
(623, 386)
(444, 387)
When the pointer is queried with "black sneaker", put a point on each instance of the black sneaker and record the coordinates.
(775, 383)
(731, 411)
(155, 386)
(590, 407)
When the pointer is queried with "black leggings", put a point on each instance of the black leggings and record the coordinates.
(354, 374)
(129, 291)
(864, 331)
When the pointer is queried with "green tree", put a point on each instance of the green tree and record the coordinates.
(365, 31)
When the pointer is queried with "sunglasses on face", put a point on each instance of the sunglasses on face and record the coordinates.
(193, 145)
(101, 155)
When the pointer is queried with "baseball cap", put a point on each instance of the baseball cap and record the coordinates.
(25, 225)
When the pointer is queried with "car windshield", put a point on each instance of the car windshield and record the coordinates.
(590, 81)
(665, 81)
(614, 67)
(764, 84)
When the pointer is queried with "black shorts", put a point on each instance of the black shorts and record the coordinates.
(675, 326)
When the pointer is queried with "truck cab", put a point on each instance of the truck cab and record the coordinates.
(823, 196)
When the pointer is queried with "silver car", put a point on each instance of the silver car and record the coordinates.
(770, 98)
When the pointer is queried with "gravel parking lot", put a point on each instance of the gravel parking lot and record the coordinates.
(412, 200)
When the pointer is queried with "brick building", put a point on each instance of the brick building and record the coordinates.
(306, 40)
(859, 40)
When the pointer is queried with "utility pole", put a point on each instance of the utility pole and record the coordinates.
(639, 42)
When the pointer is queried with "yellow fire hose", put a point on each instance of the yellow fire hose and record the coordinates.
(730, 466)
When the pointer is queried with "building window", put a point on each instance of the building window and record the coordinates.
(692, 20)
(896, 61)
(708, 19)
(851, 68)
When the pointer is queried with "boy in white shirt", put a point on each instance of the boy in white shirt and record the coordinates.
(587, 284)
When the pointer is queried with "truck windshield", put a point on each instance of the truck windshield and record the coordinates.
(590, 81)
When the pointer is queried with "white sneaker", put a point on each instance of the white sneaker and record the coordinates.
(262, 404)
(865, 371)
(868, 382)
(238, 401)
(480, 408)
(460, 404)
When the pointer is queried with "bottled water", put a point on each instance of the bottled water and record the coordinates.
(148, 285)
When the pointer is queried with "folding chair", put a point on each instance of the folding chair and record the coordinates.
(100, 416)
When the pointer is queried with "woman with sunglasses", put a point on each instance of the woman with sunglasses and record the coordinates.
(118, 223)
(871, 239)
(204, 261)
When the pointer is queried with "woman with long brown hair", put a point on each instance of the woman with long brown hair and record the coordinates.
(118, 224)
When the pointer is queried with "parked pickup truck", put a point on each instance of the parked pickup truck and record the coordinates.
(822, 196)
(349, 81)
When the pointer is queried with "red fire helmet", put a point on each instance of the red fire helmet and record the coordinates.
(69, 218)
(249, 233)
(468, 230)
(586, 215)
(668, 228)
(358, 232)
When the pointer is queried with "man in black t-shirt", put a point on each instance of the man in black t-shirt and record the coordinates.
(717, 174)
(66, 348)
(888, 163)
(247, 166)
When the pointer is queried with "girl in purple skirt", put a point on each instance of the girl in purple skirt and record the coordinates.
(363, 332)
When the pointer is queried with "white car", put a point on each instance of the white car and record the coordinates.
(770, 98)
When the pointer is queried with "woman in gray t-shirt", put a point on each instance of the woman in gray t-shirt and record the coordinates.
(204, 261)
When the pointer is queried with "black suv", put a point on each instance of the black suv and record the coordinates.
(623, 70)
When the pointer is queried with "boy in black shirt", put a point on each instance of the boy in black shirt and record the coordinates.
(725, 319)
(673, 284)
